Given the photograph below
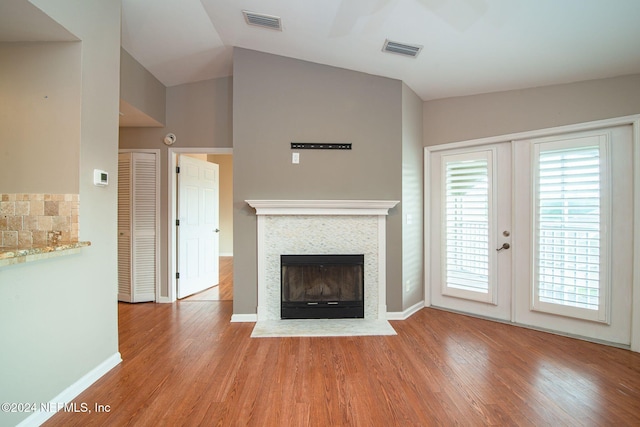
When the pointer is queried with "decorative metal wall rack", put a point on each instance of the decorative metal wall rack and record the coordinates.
(320, 146)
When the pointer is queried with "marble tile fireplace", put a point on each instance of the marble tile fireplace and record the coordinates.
(321, 227)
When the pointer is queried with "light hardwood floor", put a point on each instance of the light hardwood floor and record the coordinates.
(186, 364)
(223, 291)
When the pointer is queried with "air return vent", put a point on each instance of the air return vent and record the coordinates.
(262, 20)
(401, 48)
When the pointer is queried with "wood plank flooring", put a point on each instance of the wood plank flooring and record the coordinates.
(224, 290)
(186, 364)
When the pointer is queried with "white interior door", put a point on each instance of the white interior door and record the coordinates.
(470, 214)
(198, 233)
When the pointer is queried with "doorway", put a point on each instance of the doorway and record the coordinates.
(198, 224)
(524, 230)
(179, 265)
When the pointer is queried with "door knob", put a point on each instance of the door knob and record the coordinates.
(217, 230)
(504, 246)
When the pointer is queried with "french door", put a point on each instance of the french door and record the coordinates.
(573, 233)
(471, 230)
(537, 232)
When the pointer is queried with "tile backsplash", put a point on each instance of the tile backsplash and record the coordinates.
(38, 219)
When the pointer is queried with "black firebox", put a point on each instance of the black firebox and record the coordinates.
(322, 286)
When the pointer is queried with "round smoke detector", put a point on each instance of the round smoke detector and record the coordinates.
(170, 139)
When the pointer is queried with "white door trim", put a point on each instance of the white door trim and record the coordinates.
(158, 241)
(634, 121)
(172, 215)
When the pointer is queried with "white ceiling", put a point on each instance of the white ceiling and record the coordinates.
(470, 46)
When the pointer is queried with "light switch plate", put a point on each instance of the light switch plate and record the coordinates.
(295, 158)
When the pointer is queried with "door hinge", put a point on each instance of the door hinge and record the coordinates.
(177, 222)
(177, 275)
(177, 169)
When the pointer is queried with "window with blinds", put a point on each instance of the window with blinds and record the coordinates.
(467, 217)
(570, 216)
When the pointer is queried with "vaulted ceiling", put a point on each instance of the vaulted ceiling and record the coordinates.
(469, 46)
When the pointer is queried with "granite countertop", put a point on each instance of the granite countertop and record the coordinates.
(12, 255)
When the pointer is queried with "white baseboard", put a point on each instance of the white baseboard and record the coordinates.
(71, 392)
(404, 315)
(244, 318)
(225, 254)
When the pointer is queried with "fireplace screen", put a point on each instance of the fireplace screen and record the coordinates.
(322, 286)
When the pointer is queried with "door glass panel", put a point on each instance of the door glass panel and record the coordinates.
(569, 226)
(466, 226)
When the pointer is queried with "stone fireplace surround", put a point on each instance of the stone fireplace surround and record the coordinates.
(321, 227)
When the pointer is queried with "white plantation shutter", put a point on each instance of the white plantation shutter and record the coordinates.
(467, 214)
(570, 237)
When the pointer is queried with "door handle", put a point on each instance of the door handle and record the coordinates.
(504, 246)
(217, 230)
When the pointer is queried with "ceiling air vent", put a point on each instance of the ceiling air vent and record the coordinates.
(262, 20)
(401, 48)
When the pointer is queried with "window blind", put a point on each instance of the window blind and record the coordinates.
(568, 227)
(466, 225)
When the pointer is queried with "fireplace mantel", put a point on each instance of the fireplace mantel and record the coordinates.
(321, 227)
(322, 207)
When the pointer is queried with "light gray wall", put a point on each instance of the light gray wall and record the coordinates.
(412, 199)
(40, 91)
(493, 114)
(278, 100)
(58, 317)
(200, 116)
(141, 89)
(200, 113)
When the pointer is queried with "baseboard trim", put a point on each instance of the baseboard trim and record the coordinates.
(238, 318)
(404, 315)
(71, 392)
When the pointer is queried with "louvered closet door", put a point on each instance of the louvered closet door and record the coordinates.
(124, 227)
(144, 227)
(137, 227)
(470, 218)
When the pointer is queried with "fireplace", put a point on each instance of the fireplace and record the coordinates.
(319, 227)
(322, 286)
